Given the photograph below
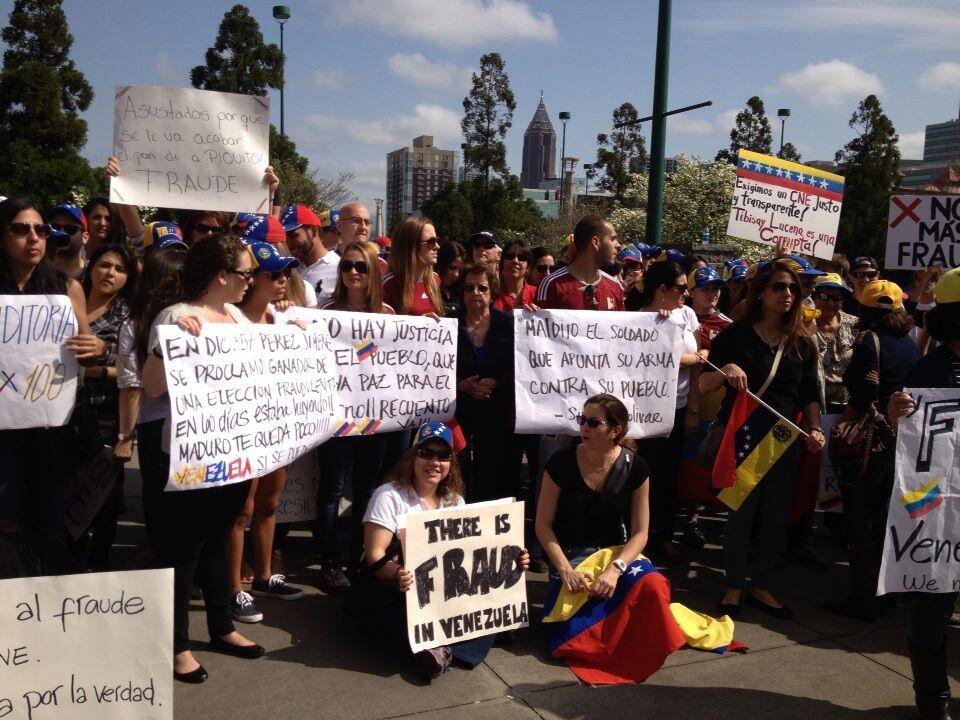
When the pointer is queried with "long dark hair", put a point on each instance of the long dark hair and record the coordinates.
(520, 248)
(117, 229)
(943, 322)
(615, 413)
(189, 218)
(887, 320)
(449, 252)
(45, 278)
(659, 274)
(159, 287)
(205, 259)
(792, 323)
(129, 264)
(450, 486)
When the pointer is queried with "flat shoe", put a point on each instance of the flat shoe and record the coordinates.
(194, 677)
(730, 609)
(782, 613)
(246, 652)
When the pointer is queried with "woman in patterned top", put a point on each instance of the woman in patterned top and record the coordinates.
(835, 336)
(108, 284)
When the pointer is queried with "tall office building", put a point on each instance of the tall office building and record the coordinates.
(415, 174)
(539, 149)
(941, 142)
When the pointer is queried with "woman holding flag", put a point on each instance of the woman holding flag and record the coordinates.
(765, 354)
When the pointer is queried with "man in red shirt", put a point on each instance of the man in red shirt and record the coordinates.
(582, 285)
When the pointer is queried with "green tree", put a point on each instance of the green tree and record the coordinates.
(42, 94)
(239, 61)
(871, 163)
(750, 132)
(789, 152)
(621, 152)
(487, 115)
(459, 210)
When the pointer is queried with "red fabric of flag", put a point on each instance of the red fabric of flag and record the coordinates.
(725, 465)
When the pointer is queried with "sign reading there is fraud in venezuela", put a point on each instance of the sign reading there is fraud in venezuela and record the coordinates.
(923, 231)
(467, 579)
(781, 202)
(921, 551)
(563, 357)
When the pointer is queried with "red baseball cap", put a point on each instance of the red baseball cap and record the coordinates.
(297, 215)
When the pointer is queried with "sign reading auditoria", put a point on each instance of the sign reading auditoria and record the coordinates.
(781, 202)
(923, 231)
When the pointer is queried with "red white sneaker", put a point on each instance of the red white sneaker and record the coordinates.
(432, 663)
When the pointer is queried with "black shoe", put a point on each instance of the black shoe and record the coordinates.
(194, 677)
(781, 613)
(807, 555)
(333, 581)
(730, 609)
(930, 684)
(694, 536)
(246, 652)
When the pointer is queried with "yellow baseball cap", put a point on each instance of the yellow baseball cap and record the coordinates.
(830, 280)
(882, 294)
(947, 289)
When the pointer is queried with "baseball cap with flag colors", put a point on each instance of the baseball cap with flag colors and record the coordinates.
(329, 218)
(298, 215)
(264, 228)
(947, 289)
(268, 258)
(162, 234)
(431, 431)
(73, 211)
(882, 294)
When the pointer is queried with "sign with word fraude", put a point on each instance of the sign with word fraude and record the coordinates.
(467, 579)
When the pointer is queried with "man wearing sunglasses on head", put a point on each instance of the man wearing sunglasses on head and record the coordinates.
(69, 226)
(319, 265)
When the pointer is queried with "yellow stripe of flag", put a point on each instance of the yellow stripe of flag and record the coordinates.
(787, 165)
(757, 464)
(912, 496)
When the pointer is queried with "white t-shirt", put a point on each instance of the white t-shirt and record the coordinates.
(687, 319)
(128, 376)
(391, 500)
(322, 275)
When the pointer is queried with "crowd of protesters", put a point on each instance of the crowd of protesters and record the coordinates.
(834, 339)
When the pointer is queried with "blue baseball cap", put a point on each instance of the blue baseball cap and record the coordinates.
(671, 255)
(630, 254)
(297, 215)
(268, 258)
(163, 235)
(431, 431)
(75, 212)
(738, 273)
(703, 277)
(242, 220)
(263, 228)
(58, 236)
(735, 262)
(806, 267)
(649, 250)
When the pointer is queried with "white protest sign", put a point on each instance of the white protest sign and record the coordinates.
(96, 646)
(777, 201)
(923, 231)
(38, 376)
(298, 499)
(93, 482)
(922, 547)
(563, 357)
(828, 497)
(467, 579)
(191, 149)
(245, 399)
(393, 371)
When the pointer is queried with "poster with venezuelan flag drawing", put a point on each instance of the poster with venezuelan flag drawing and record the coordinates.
(781, 202)
(922, 547)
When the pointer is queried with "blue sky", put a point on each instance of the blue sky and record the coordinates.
(366, 76)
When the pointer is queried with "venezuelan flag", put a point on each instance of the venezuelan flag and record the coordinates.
(789, 175)
(368, 427)
(343, 429)
(365, 349)
(627, 637)
(919, 502)
(753, 441)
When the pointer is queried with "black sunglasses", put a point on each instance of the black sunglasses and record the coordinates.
(482, 289)
(69, 229)
(590, 293)
(829, 297)
(869, 274)
(515, 256)
(360, 266)
(20, 229)
(488, 245)
(245, 274)
(431, 454)
(277, 274)
(205, 229)
(547, 269)
(779, 287)
(592, 422)
(432, 242)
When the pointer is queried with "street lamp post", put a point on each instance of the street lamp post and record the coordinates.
(281, 13)
(658, 134)
(783, 114)
(587, 169)
(564, 116)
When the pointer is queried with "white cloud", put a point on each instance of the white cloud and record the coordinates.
(415, 68)
(830, 84)
(451, 23)
(426, 119)
(689, 125)
(726, 120)
(163, 68)
(329, 79)
(911, 145)
(943, 77)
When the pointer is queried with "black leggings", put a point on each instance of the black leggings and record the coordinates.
(196, 531)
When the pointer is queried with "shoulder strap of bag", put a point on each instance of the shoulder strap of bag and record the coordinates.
(876, 345)
(773, 368)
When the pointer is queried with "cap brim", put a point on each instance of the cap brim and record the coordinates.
(60, 238)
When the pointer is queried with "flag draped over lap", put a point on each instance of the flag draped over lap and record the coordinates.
(753, 441)
(627, 637)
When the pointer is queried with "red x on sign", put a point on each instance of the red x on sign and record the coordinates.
(905, 211)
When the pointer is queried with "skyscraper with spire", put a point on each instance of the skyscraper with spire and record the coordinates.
(539, 149)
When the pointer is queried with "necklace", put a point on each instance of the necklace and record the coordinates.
(773, 344)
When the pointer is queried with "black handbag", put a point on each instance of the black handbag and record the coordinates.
(369, 594)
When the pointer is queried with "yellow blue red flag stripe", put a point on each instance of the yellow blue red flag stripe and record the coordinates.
(789, 175)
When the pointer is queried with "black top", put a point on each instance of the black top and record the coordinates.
(588, 518)
(493, 360)
(793, 387)
(897, 356)
(940, 368)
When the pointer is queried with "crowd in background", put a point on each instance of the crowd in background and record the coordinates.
(838, 337)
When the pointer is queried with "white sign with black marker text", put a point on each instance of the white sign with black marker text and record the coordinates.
(923, 231)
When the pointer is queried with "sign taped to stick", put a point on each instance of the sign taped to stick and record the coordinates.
(38, 375)
(467, 579)
(923, 231)
(921, 551)
(190, 149)
(563, 357)
(94, 646)
(778, 201)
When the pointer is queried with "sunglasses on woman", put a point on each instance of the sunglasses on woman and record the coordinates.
(515, 256)
(360, 266)
(829, 297)
(19, 229)
(781, 287)
(245, 274)
(592, 422)
(545, 269)
(431, 454)
(277, 274)
(204, 229)
(431, 242)
(482, 289)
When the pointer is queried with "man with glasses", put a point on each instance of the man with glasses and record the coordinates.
(863, 270)
(68, 221)
(582, 285)
(484, 247)
(319, 265)
(353, 224)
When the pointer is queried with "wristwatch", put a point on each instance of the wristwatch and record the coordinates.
(620, 565)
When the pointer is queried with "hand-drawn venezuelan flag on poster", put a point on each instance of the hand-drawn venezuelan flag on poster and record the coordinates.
(752, 443)
(919, 502)
(627, 637)
(789, 175)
